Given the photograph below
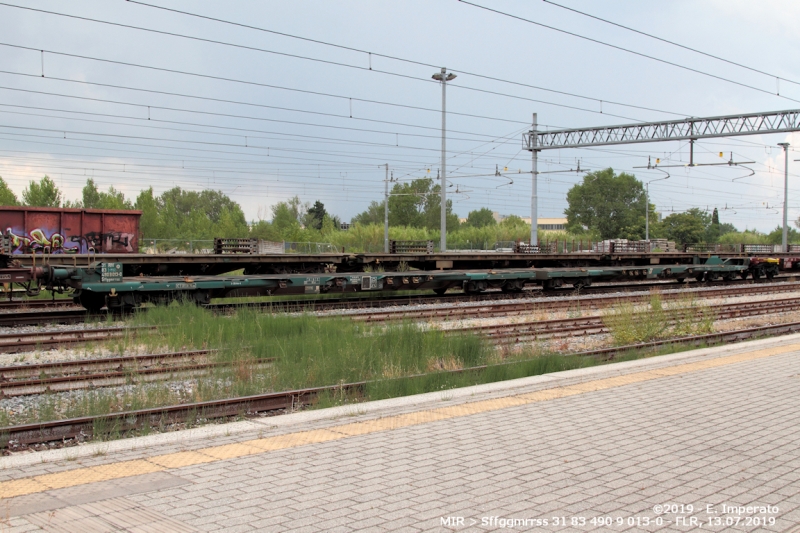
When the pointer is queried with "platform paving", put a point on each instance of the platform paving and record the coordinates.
(700, 441)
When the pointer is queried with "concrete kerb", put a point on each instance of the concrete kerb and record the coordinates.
(510, 387)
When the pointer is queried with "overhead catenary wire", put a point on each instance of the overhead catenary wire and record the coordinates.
(252, 83)
(279, 157)
(368, 68)
(378, 157)
(219, 100)
(300, 161)
(673, 43)
(148, 124)
(628, 50)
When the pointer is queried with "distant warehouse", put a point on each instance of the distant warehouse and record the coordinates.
(551, 223)
(543, 223)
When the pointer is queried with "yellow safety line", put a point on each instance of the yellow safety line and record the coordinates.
(93, 474)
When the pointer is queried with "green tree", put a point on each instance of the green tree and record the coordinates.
(776, 236)
(609, 204)
(481, 218)
(229, 225)
(42, 194)
(713, 228)
(94, 199)
(265, 230)
(315, 215)
(180, 214)
(416, 204)
(407, 203)
(150, 224)
(513, 221)
(284, 217)
(374, 214)
(689, 227)
(200, 215)
(7, 196)
(726, 228)
(432, 211)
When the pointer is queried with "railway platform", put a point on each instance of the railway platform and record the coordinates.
(704, 440)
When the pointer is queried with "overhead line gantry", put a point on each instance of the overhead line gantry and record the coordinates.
(690, 128)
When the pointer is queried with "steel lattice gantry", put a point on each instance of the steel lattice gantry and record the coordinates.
(671, 130)
(689, 129)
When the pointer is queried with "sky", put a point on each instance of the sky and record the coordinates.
(271, 99)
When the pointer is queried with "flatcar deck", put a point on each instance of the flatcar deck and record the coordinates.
(215, 264)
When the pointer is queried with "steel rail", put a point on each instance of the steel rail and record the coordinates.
(81, 367)
(505, 333)
(19, 342)
(32, 304)
(18, 380)
(79, 315)
(122, 422)
(98, 373)
(600, 302)
(300, 305)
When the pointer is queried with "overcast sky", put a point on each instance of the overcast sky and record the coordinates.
(262, 125)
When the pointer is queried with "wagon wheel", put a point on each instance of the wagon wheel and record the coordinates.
(92, 302)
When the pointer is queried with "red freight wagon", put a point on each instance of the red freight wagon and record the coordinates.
(53, 230)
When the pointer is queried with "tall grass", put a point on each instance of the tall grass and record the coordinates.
(270, 353)
(651, 319)
(369, 238)
(266, 353)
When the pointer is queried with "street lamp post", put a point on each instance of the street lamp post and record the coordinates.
(386, 211)
(534, 185)
(444, 77)
(785, 239)
(647, 207)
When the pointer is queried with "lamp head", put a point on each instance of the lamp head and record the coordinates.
(440, 76)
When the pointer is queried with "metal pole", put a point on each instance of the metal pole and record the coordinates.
(647, 211)
(386, 211)
(535, 184)
(443, 222)
(785, 239)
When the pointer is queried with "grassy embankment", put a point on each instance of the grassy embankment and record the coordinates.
(267, 353)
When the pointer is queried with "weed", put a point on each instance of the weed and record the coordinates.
(650, 319)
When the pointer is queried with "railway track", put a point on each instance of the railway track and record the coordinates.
(570, 327)
(35, 304)
(21, 436)
(22, 342)
(76, 315)
(20, 380)
(19, 342)
(326, 304)
(527, 306)
(23, 380)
